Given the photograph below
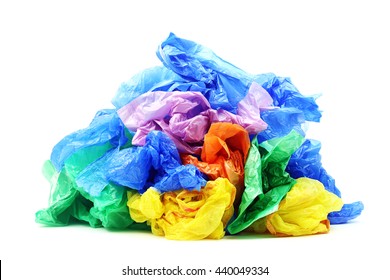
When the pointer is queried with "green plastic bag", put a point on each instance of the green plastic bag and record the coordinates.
(69, 203)
(266, 180)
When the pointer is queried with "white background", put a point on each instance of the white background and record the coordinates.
(62, 61)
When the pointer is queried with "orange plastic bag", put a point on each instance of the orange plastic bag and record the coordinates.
(224, 153)
(186, 215)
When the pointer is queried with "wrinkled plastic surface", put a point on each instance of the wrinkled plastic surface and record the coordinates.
(186, 215)
(304, 210)
(187, 116)
(224, 153)
(175, 108)
(266, 180)
(68, 203)
(349, 212)
(225, 84)
(189, 66)
(170, 112)
(286, 95)
(157, 78)
(280, 122)
(294, 108)
(306, 162)
(106, 127)
(156, 164)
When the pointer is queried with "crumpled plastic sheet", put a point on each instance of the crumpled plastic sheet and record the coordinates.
(158, 78)
(192, 67)
(266, 180)
(306, 162)
(294, 108)
(304, 210)
(69, 203)
(187, 116)
(280, 122)
(349, 212)
(129, 156)
(88, 188)
(225, 84)
(183, 214)
(286, 95)
(224, 153)
(156, 164)
(106, 127)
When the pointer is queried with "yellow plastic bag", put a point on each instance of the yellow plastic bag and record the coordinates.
(304, 210)
(186, 215)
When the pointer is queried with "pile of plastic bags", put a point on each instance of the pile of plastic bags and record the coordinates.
(197, 148)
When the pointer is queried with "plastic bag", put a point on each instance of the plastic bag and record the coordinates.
(68, 203)
(186, 215)
(224, 153)
(186, 116)
(156, 78)
(266, 181)
(349, 212)
(106, 128)
(293, 110)
(226, 84)
(156, 164)
(280, 122)
(304, 210)
(306, 162)
(286, 95)
(170, 112)
(192, 67)
(207, 109)
(65, 202)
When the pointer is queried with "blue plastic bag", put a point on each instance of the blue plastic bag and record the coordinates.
(225, 84)
(156, 78)
(105, 128)
(138, 167)
(306, 162)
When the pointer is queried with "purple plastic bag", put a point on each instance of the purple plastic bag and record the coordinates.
(187, 116)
